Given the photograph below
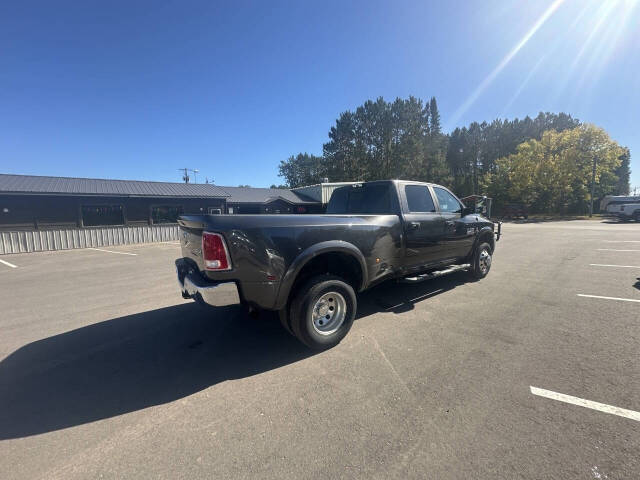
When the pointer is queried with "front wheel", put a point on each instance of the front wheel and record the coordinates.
(322, 311)
(481, 261)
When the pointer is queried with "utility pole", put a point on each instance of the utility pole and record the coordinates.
(185, 176)
(593, 185)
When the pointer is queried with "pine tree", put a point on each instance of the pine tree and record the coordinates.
(434, 117)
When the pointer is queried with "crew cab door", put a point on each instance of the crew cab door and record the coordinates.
(423, 227)
(458, 235)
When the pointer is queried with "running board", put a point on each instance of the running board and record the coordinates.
(438, 273)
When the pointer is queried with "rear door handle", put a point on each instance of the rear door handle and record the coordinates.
(414, 225)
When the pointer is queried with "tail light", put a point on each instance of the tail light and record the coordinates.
(214, 252)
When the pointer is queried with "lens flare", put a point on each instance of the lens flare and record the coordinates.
(505, 61)
(598, 31)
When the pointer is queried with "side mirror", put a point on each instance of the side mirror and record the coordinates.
(467, 211)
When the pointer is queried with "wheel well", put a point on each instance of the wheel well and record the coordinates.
(340, 264)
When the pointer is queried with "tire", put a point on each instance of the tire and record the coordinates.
(481, 261)
(335, 300)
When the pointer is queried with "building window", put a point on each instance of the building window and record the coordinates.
(101, 215)
(248, 209)
(166, 213)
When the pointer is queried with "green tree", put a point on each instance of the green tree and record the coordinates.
(303, 169)
(623, 172)
(553, 174)
(531, 160)
(399, 139)
(434, 117)
(474, 150)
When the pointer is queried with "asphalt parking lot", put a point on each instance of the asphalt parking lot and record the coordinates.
(106, 372)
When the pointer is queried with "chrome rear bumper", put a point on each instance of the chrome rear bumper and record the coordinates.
(192, 285)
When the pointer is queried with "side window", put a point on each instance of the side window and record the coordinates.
(448, 203)
(102, 215)
(419, 199)
(166, 213)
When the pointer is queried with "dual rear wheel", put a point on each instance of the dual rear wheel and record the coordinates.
(321, 312)
(323, 309)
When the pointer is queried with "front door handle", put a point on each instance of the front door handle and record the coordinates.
(414, 225)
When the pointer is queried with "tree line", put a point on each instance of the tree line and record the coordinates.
(544, 161)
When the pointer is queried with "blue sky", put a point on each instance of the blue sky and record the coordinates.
(136, 90)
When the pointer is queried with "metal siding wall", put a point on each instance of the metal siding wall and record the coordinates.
(313, 191)
(327, 191)
(48, 240)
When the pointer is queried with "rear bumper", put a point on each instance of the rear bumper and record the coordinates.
(192, 285)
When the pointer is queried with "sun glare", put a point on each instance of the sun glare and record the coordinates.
(597, 29)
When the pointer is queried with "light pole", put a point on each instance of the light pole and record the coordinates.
(593, 185)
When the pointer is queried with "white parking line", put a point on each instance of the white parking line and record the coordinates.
(621, 241)
(111, 251)
(609, 298)
(602, 407)
(615, 250)
(619, 266)
(9, 264)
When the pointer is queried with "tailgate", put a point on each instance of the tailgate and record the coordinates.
(190, 237)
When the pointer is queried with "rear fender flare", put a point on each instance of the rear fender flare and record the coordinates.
(337, 246)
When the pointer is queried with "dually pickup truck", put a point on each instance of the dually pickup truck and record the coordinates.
(309, 267)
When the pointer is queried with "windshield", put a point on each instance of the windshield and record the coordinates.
(374, 199)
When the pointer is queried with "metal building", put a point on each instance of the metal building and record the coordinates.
(40, 203)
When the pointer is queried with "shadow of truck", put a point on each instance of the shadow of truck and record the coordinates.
(136, 361)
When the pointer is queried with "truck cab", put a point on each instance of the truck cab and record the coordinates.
(438, 229)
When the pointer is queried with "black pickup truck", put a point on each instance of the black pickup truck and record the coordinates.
(309, 267)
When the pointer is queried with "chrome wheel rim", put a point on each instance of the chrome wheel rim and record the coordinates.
(328, 313)
(484, 261)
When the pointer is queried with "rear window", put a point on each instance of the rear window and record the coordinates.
(361, 199)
